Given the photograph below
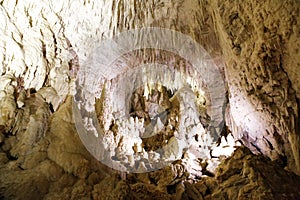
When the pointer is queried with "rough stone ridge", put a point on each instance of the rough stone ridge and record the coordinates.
(263, 90)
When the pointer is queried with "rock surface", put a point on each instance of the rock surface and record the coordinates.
(263, 90)
(58, 166)
(42, 45)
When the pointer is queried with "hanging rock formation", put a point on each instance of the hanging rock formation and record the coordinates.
(43, 45)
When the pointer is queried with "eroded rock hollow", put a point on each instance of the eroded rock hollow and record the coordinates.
(243, 125)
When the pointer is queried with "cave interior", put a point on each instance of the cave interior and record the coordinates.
(85, 119)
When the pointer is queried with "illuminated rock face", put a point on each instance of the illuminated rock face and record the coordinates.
(43, 44)
(263, 91)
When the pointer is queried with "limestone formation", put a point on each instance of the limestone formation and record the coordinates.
(254, 45)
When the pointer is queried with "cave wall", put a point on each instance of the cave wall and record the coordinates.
(43, 44)
(262, 67)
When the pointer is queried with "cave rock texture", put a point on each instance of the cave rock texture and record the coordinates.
(255, 44)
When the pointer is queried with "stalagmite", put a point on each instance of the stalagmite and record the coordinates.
(185, 99)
